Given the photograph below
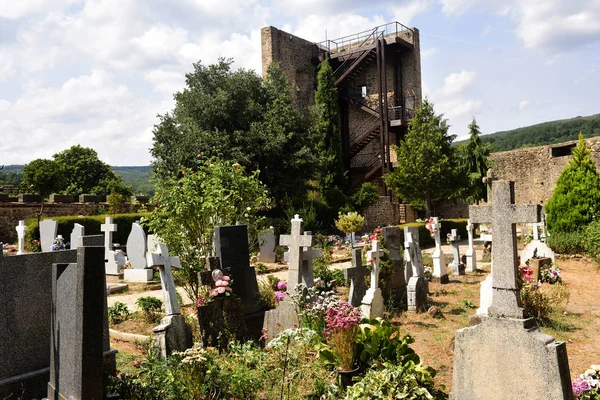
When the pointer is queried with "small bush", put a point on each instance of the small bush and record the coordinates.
(536, 303)
(592, 233)
(266, 295)
(150, 306)
(351, 222)
(568, 242)
(118, 312)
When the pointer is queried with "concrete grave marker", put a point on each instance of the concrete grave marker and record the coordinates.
(471, 254)
(173, 333)
(356, 275)
(408, 268)
(393, 244)
(507, 342)
(267, 242)
(76, 234)
(21, 228)
(136, 253)
(48, 231)
(439, 258)
(308, 255)
(417, 286)
(114, 260)
(372, 303)
(457, 267)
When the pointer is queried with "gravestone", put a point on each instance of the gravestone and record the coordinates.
(21, 228)
(48, 231)
(231, 247)
(408, 269)
(285, 316)
(76, 234)
(417, 286)
(457, 267)
(526, 363)
(485, 295)
(173, 333)
(267, 242)
(136, 253)
(77, 337)
(114, 260)
(372, 304)
(536, 247)
(393, 244)
(308, 255)
(439, 258)
(356, 275)
(471, 254)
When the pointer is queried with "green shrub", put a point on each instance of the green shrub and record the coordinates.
(536, 303)
(266, 295)
(592, 234)
(568, 242)
(349, 223)
(150, 306)
(379, 341)
(576, 196)
(118, 312)
(91, 224)
(364, 197)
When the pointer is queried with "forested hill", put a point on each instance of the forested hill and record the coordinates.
(543, 134)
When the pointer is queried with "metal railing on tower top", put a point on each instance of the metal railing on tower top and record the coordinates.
(361, 38)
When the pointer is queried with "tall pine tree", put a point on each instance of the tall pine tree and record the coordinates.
(475, 163)
(577, 193)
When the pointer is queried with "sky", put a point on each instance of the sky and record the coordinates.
(98, 72)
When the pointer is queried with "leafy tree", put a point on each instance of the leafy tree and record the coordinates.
(427, 164)
(86, 174)
(44, 176)
(475, 162)
(577, 193)
(236, 116)
(365, 196)
(189, 207)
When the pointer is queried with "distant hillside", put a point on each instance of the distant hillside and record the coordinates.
(137, 177)
(543, 134)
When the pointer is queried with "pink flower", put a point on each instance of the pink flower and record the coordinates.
(221, 290)
(280, 296)
(219, 283)
(281, 285)
(226, 278)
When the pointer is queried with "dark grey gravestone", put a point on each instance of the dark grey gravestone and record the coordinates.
(26, 299)
(527, 363)
(393, 244)
(356, 274)
(92, 241)
(231, 245)
(77, 334)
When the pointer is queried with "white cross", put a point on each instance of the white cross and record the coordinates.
(296, 243)
(164, 262)
(437, 227)
(21, 234)
(108, 228)
(373, 257)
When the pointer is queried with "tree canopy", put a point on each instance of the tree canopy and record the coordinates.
(474, 159)
(428, 166)
(576, 197)
(44, 176)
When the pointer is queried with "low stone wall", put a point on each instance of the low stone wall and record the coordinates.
(11, 213)
(383, 213)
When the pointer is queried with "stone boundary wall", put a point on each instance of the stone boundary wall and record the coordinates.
(383, 213)
(535, 171)
(11, 213)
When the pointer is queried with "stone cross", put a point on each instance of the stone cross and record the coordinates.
(373, 258)
(296, 242)
(356, 275)
(458, 268)
(414, 258)
(108, 227)
(159, 257)
(439, 258)
(488, 179)
(76, 234)
(308, 255)
(535, 231)
(372, 303)
(504, 214)
(21, 234)
(471, 254)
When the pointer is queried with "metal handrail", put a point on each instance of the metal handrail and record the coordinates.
(350, 40)
(360, 130)
(343, 67)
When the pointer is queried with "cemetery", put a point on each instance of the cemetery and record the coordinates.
(295, 248)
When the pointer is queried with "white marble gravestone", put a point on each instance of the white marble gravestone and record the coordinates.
(21, 228)
(136, 253)
(471, 254)
(76, 234)
(267, 242)
(439, 258)
(372, 304)
(48, 231)
(537, 247)
(114, 262)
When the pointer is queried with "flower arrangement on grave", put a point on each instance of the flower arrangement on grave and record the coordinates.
(449, 238)
(550, 274)
(59, 243)
(312, 305)
(428, 274)
(526, 274)
(221, 288)
(587, 386)
(342, 321)
(281, 291)
(430, 226)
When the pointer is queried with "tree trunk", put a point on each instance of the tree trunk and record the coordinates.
(428, 207)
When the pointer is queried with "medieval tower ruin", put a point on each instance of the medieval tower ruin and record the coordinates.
(378, 76)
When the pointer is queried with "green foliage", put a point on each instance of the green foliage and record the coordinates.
(118, 312)
(576, 196)
(379, 341)
(544, 134)
(266, 295)
(568, 242)
(138, 178)
(474, 160)
(150, 306)
(190, 207)
(115, 201)
(405, 381)
(351, 222)
(536, 303)
(85, 173)
(44, 176)
(364, 197)
(428, 167)
(592, 235)
(237, 116)
(90, 223)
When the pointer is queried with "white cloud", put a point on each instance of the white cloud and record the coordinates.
(315, 26)
(15, 9)
(456, 82)
(406, 12)
(430, 52)
(458, 107)
(523, 104)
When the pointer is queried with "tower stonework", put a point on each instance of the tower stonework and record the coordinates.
(378, 76)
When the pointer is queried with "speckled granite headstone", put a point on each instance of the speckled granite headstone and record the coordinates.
(393, 244)
(526, 363)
